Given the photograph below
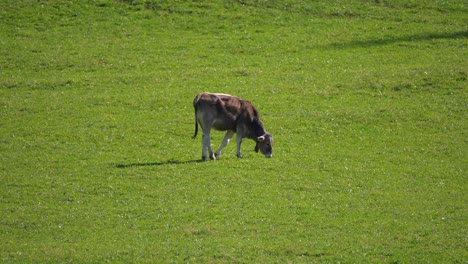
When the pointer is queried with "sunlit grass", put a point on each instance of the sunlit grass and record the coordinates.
(366, 101)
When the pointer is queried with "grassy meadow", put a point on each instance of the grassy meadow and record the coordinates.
(366, 101)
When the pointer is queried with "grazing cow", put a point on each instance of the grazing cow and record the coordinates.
(226, 112)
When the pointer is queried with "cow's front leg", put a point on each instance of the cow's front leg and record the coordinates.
(226, 140)
(207, 147)
(239, 142)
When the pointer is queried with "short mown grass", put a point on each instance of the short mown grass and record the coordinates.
(366, 101)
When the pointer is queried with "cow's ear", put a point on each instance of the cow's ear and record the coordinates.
(261, 138)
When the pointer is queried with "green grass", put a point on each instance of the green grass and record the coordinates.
(366, 100)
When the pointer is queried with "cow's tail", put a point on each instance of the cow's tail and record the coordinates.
(196, 125)
(195, 103)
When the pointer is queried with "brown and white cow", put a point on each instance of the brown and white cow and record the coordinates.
(226, 112)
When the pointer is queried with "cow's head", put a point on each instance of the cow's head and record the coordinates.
(265, 144)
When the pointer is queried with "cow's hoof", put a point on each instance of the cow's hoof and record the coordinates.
(239, 156)
(212, 157)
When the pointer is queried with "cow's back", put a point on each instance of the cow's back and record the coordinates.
(211, 111)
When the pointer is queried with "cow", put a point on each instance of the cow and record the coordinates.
(229, 113)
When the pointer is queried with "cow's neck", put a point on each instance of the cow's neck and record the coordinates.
(256, 130)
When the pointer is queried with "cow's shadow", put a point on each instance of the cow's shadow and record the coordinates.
(146, 164)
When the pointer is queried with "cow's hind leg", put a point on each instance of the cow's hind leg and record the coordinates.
(226, 140)
(207, 146)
